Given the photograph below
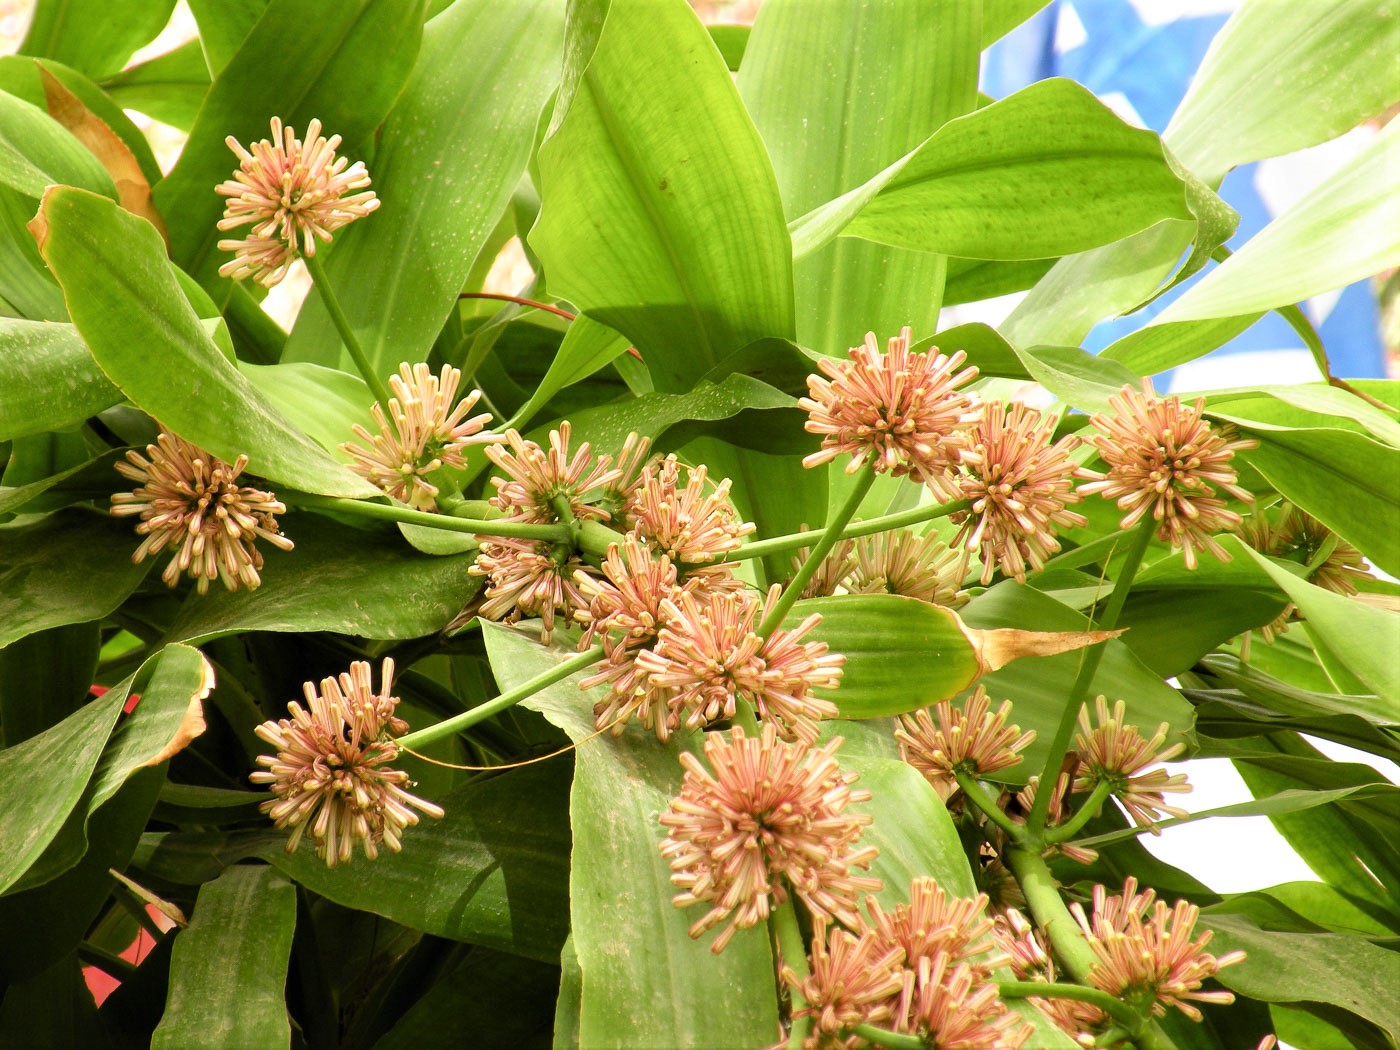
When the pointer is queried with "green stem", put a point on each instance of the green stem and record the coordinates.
(978, 796)
(448, 523)
(1048, 907)
(1109, 1004)
(891, 1040)
(796, 540)
(782, 922)
(317, 270)
(825, 541)
(1035, 821)
(1085, 813)
(467, 719)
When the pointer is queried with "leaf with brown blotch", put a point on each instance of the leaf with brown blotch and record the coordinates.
(192, 724)
(133, 191)
(997, 648)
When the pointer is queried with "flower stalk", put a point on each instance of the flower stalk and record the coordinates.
(868, 527)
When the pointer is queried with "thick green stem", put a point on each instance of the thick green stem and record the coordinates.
(1048, 907)
(317, 270)
(824, 542)
(796, 540)
(448, 523)
(891, 1040)
(1035, 821)
(782, 923)
(978, 796)
(1109, 1004)
(467, 719)
(1082, 816)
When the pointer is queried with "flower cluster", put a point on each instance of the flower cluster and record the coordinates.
(1167, 459)
(293, 194)
(190, 501)
(1145, 948)
(1115, 753)
(900, 411)
(331, 776)
(923, 968)
(1332, 563)
(765, 819)
(424, 432)
(1018, 483)
(969, 740)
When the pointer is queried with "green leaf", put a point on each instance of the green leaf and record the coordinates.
(1339, 969)
(229, 967)
(1256, 93)
(1170, 629)
(347, 73)
(127, 305)
(448, 159)
(1037, 685)
(901, 653)
(170, 87)
(1302, 405)
(1285, 698)
(833, 133)
(587, 346)
(493, 871)
(48, 380)
(653, 415)
(999, 17)
(661, 989)
(44, 778)
(1159, 347)
(1075, 376)
(656, 189)
(339, 579)
(95, 479)
(1047, 171)
(1345, 230)
(223, 26)
(67, 568)
(36, 151)
(325, 402)
(93, 36)
(171, 685)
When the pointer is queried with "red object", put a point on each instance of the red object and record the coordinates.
(131, 701)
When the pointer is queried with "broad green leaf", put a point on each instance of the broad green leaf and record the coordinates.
(1256, 93)
(1352, 844)
(448, 159)
(171, 685)
(1305, 405)
(661, 989)
(52, 1008)
(653, 415)
(587, 347)
(347, 73)
(1170, 629)
(48, 380)
(732, 41)
(493, 871)
(1289, 699)
(985, 348)
(1339, 969)
(1345, 230)
(95, 479)
(127, 305)
(1324, 905)
(170, 87)
(1347, 481)
(26, 286)
(44, 778)
(1159, 347)
(495, 997)
(70, 567)
(1255, 96)
(36, 151)
(229, 967)
(223, 26)
(833, 133)
(44, 678)
(325, 402)
(1047, 171)
(1365, 640)
(94, 36)
(1037, 686)
(903, 654)
(1076, 377)
(970, 280)
(656, 189)
(339, 579)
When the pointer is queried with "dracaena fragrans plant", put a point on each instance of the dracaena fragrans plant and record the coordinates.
(700, 638)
